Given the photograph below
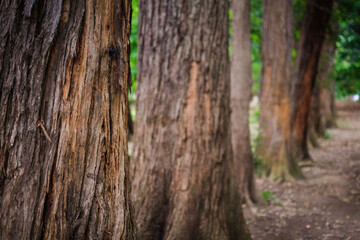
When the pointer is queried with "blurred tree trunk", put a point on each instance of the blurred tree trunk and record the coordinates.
(315, 128)
(64, 69)
(182, 184)
(330, 110)
(321, 114)
(326, 78)
(276, 48)
(241, 84)
(312, 35)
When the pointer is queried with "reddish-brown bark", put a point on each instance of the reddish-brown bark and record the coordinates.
(182, 157)
(64, 68)
(312, 35)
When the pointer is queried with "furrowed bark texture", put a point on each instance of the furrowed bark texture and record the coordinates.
(321, 115)
(63, 120)
(312, 35)
(275, 90)
(182, 155)
(241, 83)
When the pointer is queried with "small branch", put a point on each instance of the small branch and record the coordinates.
(41, 124)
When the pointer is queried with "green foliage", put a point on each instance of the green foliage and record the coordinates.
(326, 135)
(256, 27)
(270, 197)
(133, 46)
(347, 58)
(267, 195)
(256, 76)
(230, 31)
(133, 56)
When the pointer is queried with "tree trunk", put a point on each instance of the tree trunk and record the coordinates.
(276, 50)
(241, 84)
(326, 78)
(321, 116)
(182, 185)
(330, 111)
(315, 127)
(312, 35)
(64, 69)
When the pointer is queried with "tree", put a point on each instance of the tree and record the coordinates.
(63, 115)
(277, 43)
(182, 186)
(322, 113)
(241, 84)
(312, 35)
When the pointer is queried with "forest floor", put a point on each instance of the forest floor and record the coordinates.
(326, 204)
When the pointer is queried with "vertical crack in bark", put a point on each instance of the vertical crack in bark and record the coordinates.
(49, 198)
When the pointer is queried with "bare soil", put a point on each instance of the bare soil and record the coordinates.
(326, 204)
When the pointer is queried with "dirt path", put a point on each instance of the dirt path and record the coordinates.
(325, 205)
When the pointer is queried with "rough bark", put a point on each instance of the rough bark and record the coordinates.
(241, 84)
(312, 35)
(182, 185)
(64, 70)
(276, 50)
(321, 116)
